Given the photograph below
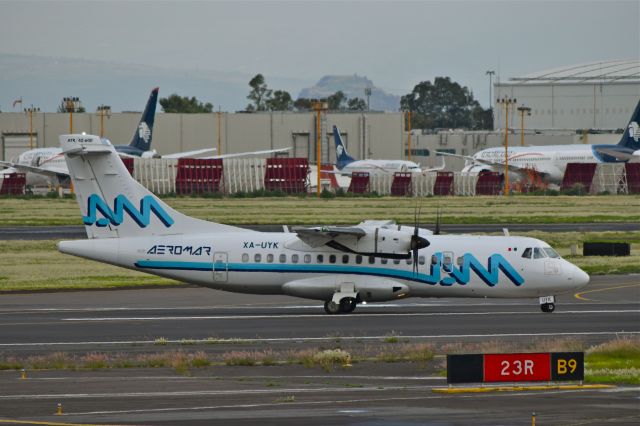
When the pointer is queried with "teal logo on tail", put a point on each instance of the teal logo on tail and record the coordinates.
(121, 204)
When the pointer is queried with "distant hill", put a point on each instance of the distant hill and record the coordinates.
(44, 81)
(353, 86)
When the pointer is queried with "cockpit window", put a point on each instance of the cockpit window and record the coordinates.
(551, 253)
(538, 253)
(527, 253)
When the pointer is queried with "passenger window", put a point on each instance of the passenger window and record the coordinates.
(372, 260)
(409, 261)
(320, 258)
(358, 259)
(283, 258)
(307, 258)
(538, 253)
(527, 253)
(294, 258)
(332, 258)
(245, 257)
(270, 258)
(434, 260)
(345, 258)
(447, 261)
(460, 260)
(384, 261)
(421, 260)
(396, 261)
(257, 258)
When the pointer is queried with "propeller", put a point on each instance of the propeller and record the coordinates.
(417, 242)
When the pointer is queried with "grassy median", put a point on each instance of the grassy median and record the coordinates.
(42, 211)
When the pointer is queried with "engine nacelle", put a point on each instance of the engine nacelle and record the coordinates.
(150, 154)
(383, 242)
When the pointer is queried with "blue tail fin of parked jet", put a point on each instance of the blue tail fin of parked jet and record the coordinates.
(631, 136)
(143, 134)
(342, 156)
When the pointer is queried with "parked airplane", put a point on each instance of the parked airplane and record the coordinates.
(46, 166)
(551, 161)
(346, 164)
(374, 261)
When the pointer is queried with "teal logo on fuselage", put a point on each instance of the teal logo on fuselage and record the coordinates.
(462, 274)
(121, 204)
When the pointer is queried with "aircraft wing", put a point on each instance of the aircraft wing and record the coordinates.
(512, 168)
(316, 237)
(190, 153)
(435, 169)
(32, 169)
(466, 157)
(250, 153)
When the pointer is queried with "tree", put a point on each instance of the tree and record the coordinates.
(356, 104)
(259, 95)
(281, 101)
(336, 101)
(482, 119)
(303, 104)
(184, 105)
(443, 104)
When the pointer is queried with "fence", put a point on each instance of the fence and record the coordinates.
(13, 184)
(199, 176)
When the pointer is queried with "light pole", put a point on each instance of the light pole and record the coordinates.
(319, 107)
(490, 74)
(71, 104)
(30, 112)
(102, 111)
(367, 93)
(409, 135)
(219, 129)
(508, 103)
(523, 110)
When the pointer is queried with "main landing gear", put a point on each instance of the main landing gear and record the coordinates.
(547, 304)
(346, 306)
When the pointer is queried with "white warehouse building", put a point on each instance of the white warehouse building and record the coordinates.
(598, 95)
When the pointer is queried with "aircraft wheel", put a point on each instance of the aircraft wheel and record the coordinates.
(548, 307)
(331, 307)
(347, 305)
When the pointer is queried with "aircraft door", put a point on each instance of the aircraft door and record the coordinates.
(220, 266)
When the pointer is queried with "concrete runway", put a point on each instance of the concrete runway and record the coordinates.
(367, 393)
(76, 232)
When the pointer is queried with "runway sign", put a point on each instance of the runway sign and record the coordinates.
(516, 367)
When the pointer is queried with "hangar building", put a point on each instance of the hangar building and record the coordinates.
(597, 95)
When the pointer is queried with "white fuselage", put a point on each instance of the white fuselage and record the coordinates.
(381, 167)
(280, 263)
(50, 159)
(550, 160)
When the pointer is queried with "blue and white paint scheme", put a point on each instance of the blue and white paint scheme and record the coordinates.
(551, 160)
(346, 164)
(373, 261)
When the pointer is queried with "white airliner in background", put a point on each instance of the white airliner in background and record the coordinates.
(346, 164)
(46, 166)
(374, 261)
(551, 160)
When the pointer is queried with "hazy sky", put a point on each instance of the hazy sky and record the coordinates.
(394, 43)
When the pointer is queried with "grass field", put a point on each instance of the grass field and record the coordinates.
(37, 265)
(346, 210)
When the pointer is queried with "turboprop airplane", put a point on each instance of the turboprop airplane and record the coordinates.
(46, 166)
(346, 164)
(374, 261)
(551, 161)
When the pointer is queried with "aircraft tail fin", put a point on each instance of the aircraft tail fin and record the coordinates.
(112, 203)
(631, 136)
(144, 132)
(342, 156)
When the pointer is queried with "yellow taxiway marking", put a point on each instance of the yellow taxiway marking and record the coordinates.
(519, 388)
(579, 295)
(34, 422)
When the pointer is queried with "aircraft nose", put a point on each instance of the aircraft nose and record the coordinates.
(580, 277)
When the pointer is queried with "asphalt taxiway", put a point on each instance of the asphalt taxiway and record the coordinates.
(367, 393)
